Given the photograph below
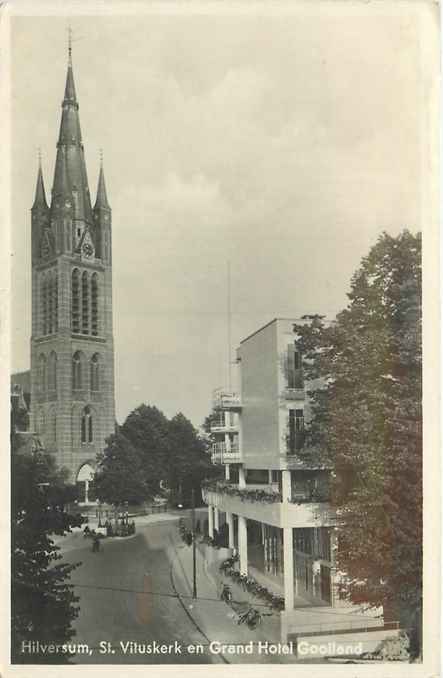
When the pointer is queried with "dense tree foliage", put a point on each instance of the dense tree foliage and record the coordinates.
(367, 416)
(189, 461)
(43, 602)
(150, 454)
(120, 475)
(146, 428)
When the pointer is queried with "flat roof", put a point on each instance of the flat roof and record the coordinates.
(274, 320)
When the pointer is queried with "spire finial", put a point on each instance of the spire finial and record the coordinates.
(69, 45)
(101, 158)
(39, 156)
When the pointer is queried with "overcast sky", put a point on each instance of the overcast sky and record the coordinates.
(283, 143)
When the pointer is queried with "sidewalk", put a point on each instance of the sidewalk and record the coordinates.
(215, 619)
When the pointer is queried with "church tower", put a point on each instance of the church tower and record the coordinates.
(72, 348)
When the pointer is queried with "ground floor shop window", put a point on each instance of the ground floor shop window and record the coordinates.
(312, 566)
(265, 548)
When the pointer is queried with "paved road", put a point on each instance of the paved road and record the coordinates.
(111, 609)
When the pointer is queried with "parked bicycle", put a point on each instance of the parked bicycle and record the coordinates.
(252, 618)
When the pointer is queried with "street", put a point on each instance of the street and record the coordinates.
(113, 608)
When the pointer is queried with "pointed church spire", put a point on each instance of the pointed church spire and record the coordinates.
(40, 195)
(70, 87)
(70, 168)
(102, 198)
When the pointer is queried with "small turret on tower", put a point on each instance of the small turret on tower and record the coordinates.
(102, 218)
(102, 198)
(40, 195)
(39, 212)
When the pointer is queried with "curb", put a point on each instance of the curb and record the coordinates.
(196, 624)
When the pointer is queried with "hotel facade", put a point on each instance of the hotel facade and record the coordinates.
(274, 499)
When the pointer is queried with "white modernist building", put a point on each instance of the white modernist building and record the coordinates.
(274, 498)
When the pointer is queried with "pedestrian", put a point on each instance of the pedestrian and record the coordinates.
(96, 543)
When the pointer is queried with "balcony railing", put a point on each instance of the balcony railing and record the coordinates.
(309, 497)
(224, 400)
(224, 455)
(264, 496)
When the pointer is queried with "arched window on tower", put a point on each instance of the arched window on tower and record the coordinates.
(77, 371)
(52, 371)
(44, 305)
(95, 372)
(50, 306)
(85, 303)
(68, 235)
(75, 301)
(94, 304)
(87, 432)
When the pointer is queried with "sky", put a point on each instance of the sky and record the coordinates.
(284, 143)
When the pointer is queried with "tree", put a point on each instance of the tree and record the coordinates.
(147, 450)
(120, 474)
(367, 422)
(43, 602)
(188, 461)
(146, 428)
(211, 419)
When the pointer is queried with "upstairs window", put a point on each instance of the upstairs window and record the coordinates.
(94, 305)
(54, 320)
(87, 431)
(95, 375)
(295, 378)
(44, 305)
(85, 303)
(296, 431)
(75, 301)
(77, 376)
(50, 310)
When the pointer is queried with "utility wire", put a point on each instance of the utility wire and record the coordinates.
(162, 594)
